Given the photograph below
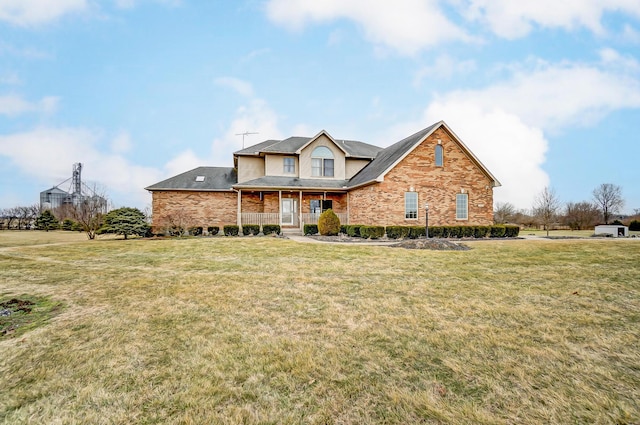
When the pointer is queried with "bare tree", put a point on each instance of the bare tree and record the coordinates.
(608, 197)
(546, 206)
(504, 213)
(581, 215)
(89, 211)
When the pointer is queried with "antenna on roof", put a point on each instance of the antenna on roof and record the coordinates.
(246, 133)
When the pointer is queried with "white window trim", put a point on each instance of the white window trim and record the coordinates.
(405, 206)
(284, 165)
(466, 211)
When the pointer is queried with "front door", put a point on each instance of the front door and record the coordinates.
(288, 211)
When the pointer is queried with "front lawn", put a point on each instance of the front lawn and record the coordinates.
(267, 330)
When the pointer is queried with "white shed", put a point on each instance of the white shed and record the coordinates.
(615, 230)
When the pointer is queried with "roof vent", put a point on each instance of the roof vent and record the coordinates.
(199, 178)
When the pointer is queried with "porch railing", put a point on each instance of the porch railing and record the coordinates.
(312, 218)
(260, 218)
(274, 218)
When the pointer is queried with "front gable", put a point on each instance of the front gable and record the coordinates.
(322, 139)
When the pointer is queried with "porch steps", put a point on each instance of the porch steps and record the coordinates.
(293, 232)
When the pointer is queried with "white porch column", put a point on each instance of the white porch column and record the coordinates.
(348, 209)
(239, 209)
(300, 210)
(280, 206)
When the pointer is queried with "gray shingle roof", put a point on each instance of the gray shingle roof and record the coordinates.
(215, 179)
(291, 145)
(276, 182)
(387, 157)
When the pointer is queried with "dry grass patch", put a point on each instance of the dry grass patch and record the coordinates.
(264, 330)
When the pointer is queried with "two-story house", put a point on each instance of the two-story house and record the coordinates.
(291, 181)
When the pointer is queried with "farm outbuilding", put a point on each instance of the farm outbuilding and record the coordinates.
(614, 230)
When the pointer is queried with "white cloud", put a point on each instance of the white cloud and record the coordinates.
(513, 151)
(47, 154)
(556, 96)
(407, 26)
(185, 161)
(37, 12)
(513, 19)
(444, 68)
(505, 124)
(13, 105)
(256, 117)
(121, 143)
(242, 87)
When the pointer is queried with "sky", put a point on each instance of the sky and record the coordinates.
(545, 93)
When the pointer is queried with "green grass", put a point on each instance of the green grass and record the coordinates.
(265, 330)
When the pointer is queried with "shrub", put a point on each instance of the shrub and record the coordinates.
(497, 231)
(372, 232)
(436, 231)
(250, 229)
(353, 230)
(269, 229)
(480, 231)
(468, 231)
(231, 230)
(343, 229)
(634, 225)
(416, 232)
(213, 230)
(328, 223)
(195, 231)
(511, 231)
(398, 232)
(454, 231)
(311, 229)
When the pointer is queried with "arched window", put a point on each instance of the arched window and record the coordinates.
(439, 156)
(322, 162)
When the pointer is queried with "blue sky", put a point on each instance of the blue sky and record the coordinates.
(545, 93)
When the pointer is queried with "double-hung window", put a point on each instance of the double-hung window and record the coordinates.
(411, 205)
(462, 206)
(289, 165)
(322, 162)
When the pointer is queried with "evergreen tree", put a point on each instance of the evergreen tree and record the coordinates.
(125, 221)
(46, 221)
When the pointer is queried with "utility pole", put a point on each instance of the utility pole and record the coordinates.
(246, 133)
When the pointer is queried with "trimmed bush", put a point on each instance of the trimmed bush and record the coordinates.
(269, 229)
(250, 229)
(436, 231)
(231, 230)
(511, 231)
(398, 232)
(310, 229)
(195, 231)
(328, 223)
(213, 230)
(353, 230)
(480, 232)
(372, 232)
(497, 231)
(468, 231)
(343, 229)
(416, 232)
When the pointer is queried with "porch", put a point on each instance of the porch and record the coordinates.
(289, 209)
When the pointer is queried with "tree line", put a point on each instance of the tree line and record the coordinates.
(89, 216)
(547, 210)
